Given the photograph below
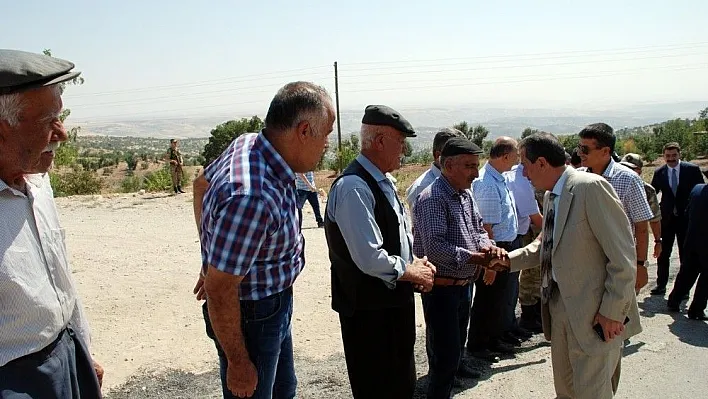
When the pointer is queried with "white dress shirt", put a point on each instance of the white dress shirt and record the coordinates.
(37, 295)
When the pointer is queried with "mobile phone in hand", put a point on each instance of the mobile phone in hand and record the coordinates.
(601, 333)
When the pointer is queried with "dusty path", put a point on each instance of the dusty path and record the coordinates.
(135, 259)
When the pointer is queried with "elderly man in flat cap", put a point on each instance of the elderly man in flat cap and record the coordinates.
(44, 336)
(374, 272)
(448, 228)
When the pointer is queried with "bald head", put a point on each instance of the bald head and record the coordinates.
(502, 146)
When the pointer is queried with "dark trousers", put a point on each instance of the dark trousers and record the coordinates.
(378, 347)
(486, 319)
(311, 197)
(266, 329)
(511, 292)
(62, 370)
(672, 227)
(694, 266)
(447, 312)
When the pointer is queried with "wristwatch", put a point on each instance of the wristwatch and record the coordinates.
(640, 263)
(657, 241)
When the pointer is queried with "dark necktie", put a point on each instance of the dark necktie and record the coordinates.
(547, 249)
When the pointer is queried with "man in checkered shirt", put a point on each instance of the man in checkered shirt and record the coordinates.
(449, 231)
(597, 142)
(252, 247)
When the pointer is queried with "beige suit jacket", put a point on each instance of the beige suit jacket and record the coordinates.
(593, 258)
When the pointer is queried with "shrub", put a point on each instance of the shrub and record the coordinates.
(75, 182)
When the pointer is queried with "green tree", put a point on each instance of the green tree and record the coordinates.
(476, 134)
(223, 134)
(528, 131)
(350, 149)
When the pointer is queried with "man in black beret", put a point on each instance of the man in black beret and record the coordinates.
(44, 337)
(374, 272)
(448, 229)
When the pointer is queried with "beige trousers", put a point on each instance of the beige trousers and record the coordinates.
(575, 374)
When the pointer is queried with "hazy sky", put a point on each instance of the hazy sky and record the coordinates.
(147, 59)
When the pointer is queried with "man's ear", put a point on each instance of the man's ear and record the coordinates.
(5, 130)
(302, 130)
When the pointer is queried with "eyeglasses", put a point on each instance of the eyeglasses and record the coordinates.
(585, 150)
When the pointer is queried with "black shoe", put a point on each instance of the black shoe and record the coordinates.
(466, 371)
(320, 225)
(658, 291)
(179, 188)
(510, 339)
(522, 333)
(501, 347)
(673, 306)
(175, 188)
(697, 316)
(484, 354)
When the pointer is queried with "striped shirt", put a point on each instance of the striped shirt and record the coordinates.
(37, 295)
(249, 220)
(496, 203)
(448, 230)
(301, 185)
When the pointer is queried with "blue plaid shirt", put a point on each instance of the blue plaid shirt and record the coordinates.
(301, 185)
(249, 220)
(496, 203)
(448, 229)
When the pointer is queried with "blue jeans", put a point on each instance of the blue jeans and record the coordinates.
(266, 329)
(447, 312)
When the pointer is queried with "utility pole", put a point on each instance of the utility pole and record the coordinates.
(339, 126)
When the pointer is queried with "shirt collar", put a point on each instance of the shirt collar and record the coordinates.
(282, 170)
(558, 188)
(447, 187)
(36, 179)
(489, 169)
(371, 168)
(435, 171)
(675, 167)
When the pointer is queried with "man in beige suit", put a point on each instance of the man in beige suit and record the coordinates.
(588, 271)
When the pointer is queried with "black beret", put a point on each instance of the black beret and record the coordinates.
(460, 146)
(20, 71)
(385, 116)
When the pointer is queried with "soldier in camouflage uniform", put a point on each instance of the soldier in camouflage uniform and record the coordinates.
(634, 162)
(176, 162)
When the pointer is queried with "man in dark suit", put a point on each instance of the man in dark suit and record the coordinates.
(695, 261)
(674, 181)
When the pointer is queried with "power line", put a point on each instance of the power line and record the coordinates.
(526, 54)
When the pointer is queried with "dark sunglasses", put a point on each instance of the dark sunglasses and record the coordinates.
(585, 150)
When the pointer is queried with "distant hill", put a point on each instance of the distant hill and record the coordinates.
(499, 121)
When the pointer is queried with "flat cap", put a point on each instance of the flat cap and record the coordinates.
(382, 115)
(460, 146)
(20, 71)
(632, 161)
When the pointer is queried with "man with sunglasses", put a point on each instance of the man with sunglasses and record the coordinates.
(596, 149)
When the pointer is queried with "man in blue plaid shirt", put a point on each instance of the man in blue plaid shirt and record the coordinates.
(252, 248)
(448, 229)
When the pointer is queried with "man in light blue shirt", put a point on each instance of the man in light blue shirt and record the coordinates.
(374, 273)
(429, 176)
(492, 319)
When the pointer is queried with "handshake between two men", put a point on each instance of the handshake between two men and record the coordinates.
(421, 273)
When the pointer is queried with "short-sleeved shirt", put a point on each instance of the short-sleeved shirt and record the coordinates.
(496, 203)
(301, 185)
(249, 223)
(448, 230)
(524, 196)
(420, 184)
(630, 190)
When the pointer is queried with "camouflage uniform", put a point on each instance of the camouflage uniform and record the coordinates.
(176, 169)
(653, 202)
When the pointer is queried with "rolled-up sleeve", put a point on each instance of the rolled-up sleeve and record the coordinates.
(353, 211)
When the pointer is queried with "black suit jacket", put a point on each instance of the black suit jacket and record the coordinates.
(689, 176)
(697, 216)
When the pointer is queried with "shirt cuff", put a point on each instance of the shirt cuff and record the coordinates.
(399, 267)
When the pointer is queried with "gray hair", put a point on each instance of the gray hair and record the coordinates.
(369, 133)
(451, 158)
(11, 105)
(296, 102)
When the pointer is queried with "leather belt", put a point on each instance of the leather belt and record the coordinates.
(444, 281)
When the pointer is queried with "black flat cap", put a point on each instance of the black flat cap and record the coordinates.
(460, 146)
(385, 116)
(20, 71)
